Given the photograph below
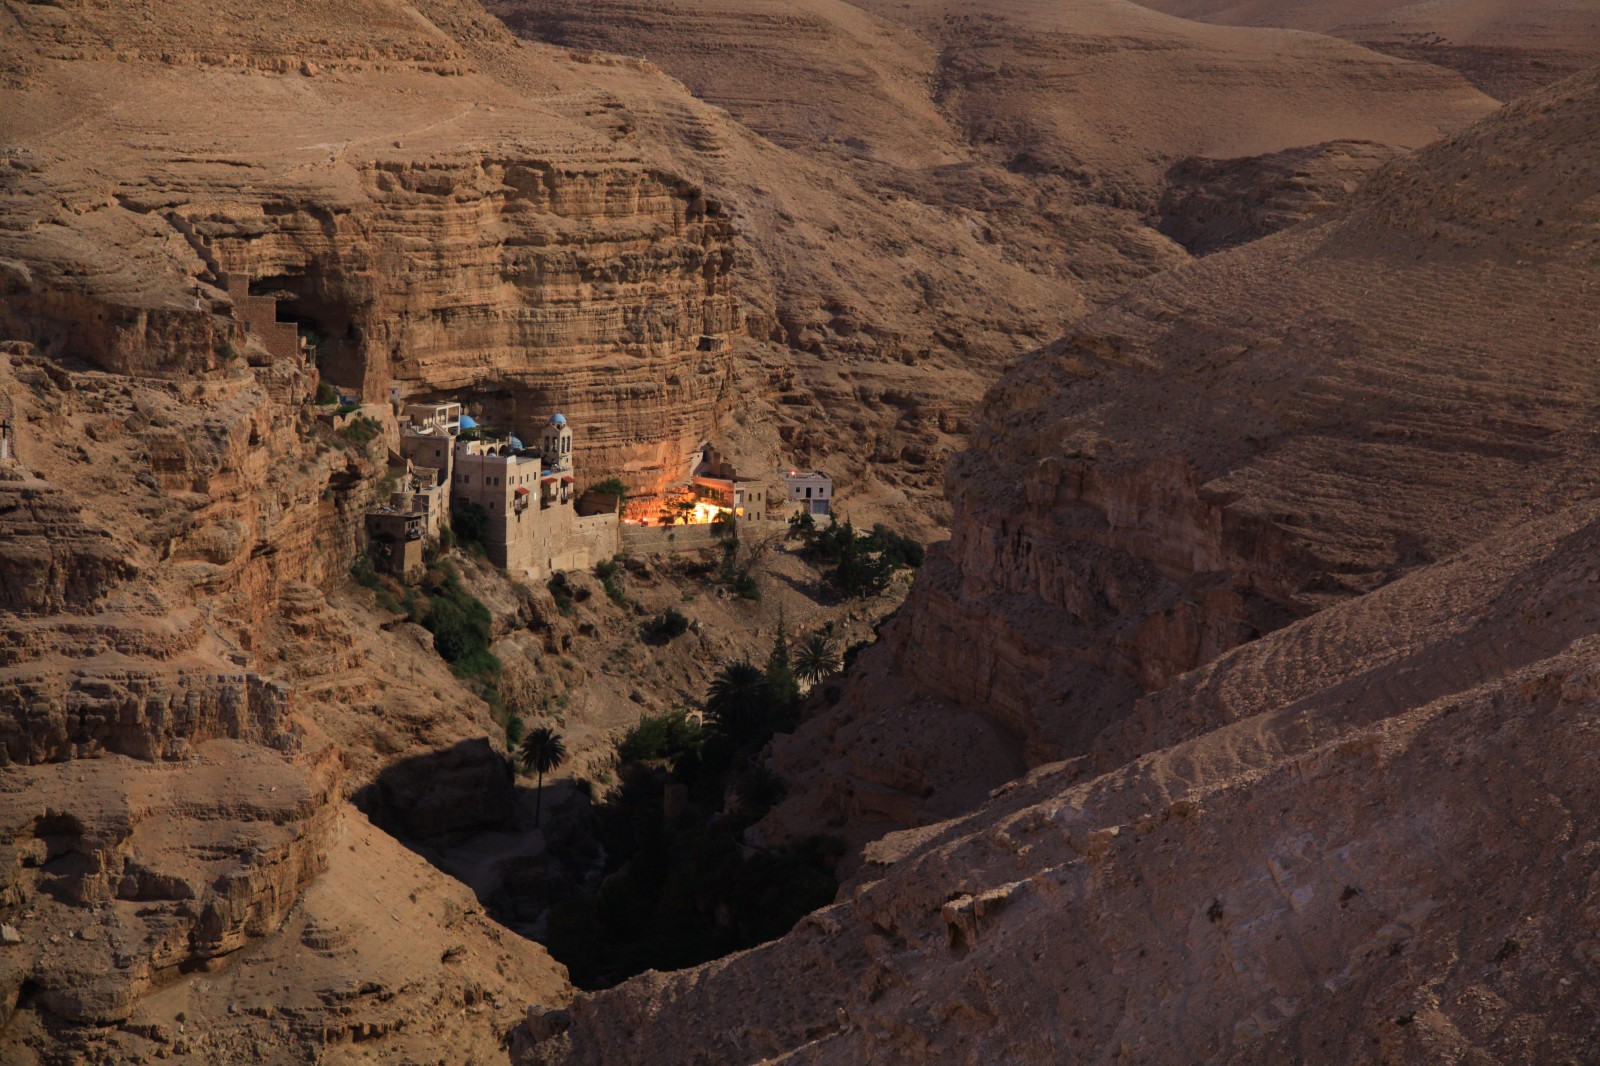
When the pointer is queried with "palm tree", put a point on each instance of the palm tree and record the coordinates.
(542, 751)
(738, 698)
(816, 658)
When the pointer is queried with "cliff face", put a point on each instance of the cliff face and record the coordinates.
(939, 187)
(476, 236)
(1248, 439)
(522, 285)
(189, 693)
(1363, 829)
(183, 717)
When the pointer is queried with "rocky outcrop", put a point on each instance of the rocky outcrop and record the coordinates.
(1221, 901)
(134, 708)
(461, 789)
(50, 559)
(86, 838)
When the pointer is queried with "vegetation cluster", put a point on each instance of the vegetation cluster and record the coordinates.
(681, 885)
(857, 565)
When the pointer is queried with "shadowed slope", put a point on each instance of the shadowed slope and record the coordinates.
(1247, 440)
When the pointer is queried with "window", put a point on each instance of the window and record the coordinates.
(808, 492)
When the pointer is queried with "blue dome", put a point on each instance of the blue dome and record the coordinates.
(468, 422)
(516, 445)
(558, 419)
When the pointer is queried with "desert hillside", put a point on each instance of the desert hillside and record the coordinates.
(1292, 617)
(1505, 47)
(1380, 389)
(193, 688)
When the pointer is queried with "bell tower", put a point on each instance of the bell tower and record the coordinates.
(555, 446)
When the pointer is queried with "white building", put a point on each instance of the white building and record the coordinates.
(810, 488)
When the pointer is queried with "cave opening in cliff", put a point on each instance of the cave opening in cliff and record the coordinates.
(324, 317)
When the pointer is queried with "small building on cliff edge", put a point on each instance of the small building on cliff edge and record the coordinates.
(715, 479)
(810, 490)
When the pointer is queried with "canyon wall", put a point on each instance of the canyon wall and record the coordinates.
(929, 190)
(1287, 562)
(1250, 438)
(191, 690)
(520, 287)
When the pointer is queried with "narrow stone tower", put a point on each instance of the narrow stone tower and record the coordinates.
(556, 444)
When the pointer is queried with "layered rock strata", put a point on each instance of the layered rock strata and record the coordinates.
(939, 187)
(482, 238)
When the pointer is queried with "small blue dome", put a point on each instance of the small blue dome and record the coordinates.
(558, 419)
(516, 445)
(468, 422)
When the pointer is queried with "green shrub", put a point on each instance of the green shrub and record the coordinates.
(609, 573)
(361, 429)
(562, 594)
(660, 736)
(461, 627)
(666, 626)
(326, 394)
(611, 486)
(745, 586)
(363, 572)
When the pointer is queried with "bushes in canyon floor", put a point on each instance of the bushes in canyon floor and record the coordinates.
(661, 736)
(681, 886)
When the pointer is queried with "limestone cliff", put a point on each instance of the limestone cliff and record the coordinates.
(938, 187)
(190, 691)
(511, 250)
